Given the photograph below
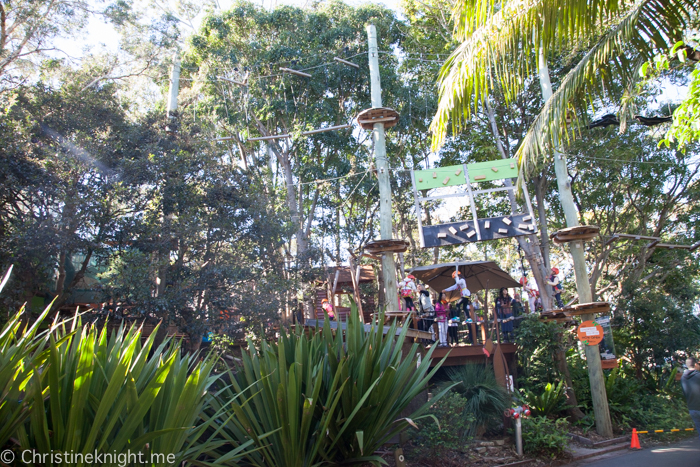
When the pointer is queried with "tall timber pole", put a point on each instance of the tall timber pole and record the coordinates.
(385, 217)
(583, 286)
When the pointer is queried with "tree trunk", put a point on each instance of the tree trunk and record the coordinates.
(563, 368)
(583, 287)
(532, 252)
(429, 221)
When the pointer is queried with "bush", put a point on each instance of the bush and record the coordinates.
(20, 354)
(544, 437)
(453, 422)
(550, 402)
(486, 399)
(316, 397)
(538, 344)
(107, 395)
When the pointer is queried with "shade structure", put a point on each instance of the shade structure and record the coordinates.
(479, 275)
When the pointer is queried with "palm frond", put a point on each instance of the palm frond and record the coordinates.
(549, 127)
(500, 47)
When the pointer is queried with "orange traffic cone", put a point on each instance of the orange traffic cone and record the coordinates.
(635, 440)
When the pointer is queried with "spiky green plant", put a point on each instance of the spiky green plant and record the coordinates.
(110, 395)
(326, 397)
(486, 399)
(551, 401)
(22, 350)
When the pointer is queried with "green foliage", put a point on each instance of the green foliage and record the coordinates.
(486, 399)
(21, 353)
(107, 395)
(550, 402)
(654, 326)
(454, 421)
(537, 344)
(685, 129)
(544, 437)
(313, 398)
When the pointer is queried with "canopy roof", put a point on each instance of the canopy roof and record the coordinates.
(479, 275)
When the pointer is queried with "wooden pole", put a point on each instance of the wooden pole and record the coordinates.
(295, 72)
(595, 369)
(385, 217)
(345, 62)
(321, 130)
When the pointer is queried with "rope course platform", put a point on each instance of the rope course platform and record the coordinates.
(463, 177)
(367, 118)
(579, 233)
(587, 308)
(566, 314)
(556, 316)
(386, 246)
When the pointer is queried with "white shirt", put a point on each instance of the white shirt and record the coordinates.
(462, 285)
(408, 284)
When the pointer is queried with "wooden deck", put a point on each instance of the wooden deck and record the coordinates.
(463, 354)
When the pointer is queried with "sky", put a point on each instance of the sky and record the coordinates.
(99, 36)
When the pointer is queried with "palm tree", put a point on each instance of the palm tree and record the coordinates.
(503, 43)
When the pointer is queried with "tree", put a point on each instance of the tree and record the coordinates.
(250, 43)
(617, 37)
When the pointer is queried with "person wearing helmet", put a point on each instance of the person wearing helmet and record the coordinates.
(465, 295)
(407, 289)
(328, 308)
(530, 291)
(553, 280)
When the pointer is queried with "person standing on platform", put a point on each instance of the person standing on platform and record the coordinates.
(427, 310)
(407, 289)
(530, 291)
(504, 312)
(441, 318)
(690, 381)
(518, 310)
(556, 286)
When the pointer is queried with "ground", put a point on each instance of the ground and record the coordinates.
(685, 453)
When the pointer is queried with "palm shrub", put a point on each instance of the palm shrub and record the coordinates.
(107, 395)
(323, 396)
(551, 401)
(486, 399)
(22, 351)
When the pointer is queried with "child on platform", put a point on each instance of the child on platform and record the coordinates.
(407, 289)
(427, 311)
(441, 311)
(556, 286)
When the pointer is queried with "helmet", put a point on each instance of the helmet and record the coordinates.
(324, 300)
(411, 276)
(523, 280)
(455, 274)
(555, 270)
